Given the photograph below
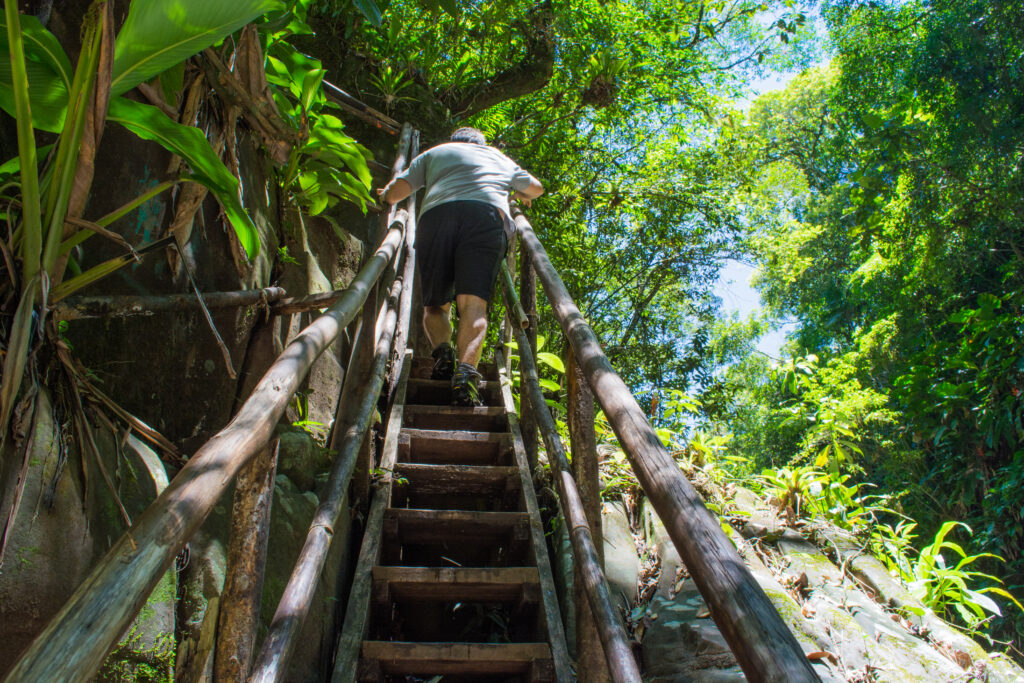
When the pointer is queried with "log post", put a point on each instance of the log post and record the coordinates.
(759, 638)
(528, 301)
(618, 654)
(247, 553)
(272, 661)
(74, 644)
(590, 665)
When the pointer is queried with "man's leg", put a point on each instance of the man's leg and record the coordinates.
(437, 324)
(472, 328)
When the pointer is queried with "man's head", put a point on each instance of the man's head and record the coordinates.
(471, 135)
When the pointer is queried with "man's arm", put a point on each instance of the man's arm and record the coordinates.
(527, 194)
(395, 191)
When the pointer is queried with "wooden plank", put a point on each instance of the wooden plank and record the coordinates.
(465, 584)
(483, 419)
(358, 607)
(428, 446)
(549, 598)
(454, 478)
(465, 659)
(453, 526)
(764, 646)
(438, 392)
(422, 366)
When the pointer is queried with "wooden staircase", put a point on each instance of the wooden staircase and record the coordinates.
(453, 578)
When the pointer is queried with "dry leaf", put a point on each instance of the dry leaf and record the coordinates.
(822, 654)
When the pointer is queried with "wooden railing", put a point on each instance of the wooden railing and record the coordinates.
(75, 643)
(759, 638)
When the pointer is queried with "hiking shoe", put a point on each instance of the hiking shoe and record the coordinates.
(444, 362)
(465, 391)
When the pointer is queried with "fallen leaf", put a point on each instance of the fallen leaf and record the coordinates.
(822, 654)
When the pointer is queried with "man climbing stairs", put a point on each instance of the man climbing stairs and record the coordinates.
(453, 578)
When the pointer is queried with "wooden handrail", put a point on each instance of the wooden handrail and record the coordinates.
(119, 306)
(272, 661)
(74, 644)
(617, 652)
(759, 638)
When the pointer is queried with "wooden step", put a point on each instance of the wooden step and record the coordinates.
(479, 661)
(455, 418)
(466, 584)
(437, 392)
(422, 366)
(456, 487)
(442, 447)
(459, 538)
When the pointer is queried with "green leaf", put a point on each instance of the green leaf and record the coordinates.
(159, 35)
(48, 70)
(370, 11)
(149, 123)
(551, 360)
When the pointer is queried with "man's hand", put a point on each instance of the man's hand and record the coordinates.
(523, 199)
(526, 195)
(395, 191)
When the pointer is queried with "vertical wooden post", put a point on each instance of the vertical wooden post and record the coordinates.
(528, 299)
(590, 662)
(247, 554)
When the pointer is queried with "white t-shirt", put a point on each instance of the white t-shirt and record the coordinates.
(464, 171)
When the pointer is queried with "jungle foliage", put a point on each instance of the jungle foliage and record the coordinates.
(885, 192)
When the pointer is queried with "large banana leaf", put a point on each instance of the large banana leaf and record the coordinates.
(49, 74)
(161, 33)
(191, 145)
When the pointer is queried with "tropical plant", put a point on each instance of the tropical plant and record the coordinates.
(947, 589)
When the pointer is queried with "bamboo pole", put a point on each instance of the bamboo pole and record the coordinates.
(404, 333)
(763, 645)
(528, 301)
(239, 615)
(517, 313)
(617, 653)
(120, 306)
(272, 660)
(583, 444)
(75, 642)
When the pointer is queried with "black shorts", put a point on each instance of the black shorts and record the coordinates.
(459, 247)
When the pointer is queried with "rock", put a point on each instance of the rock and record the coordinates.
(621, 564)
(289, 523)
(51, 545)
(681, 642)
(300, 458)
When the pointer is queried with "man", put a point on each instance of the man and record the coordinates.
(461, 237)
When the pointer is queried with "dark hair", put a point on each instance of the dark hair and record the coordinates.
(471, 135)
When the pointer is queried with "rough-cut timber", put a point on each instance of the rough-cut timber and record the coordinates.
(757, 635)
(590, 664)
(239, 615)
(72, 647)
